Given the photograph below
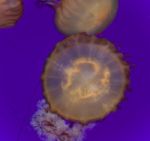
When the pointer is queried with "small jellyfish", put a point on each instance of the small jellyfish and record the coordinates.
(10, 12)
(90, 16)
(84, 78)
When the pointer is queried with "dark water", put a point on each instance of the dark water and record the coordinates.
(24, 48)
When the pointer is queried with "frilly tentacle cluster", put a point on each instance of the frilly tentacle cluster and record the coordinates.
(51, 127)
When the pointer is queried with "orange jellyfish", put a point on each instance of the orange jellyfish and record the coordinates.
(84, 78)
(10, 12)
(90, 16)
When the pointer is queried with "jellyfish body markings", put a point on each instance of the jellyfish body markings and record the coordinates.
(10, 12)
(84, 78)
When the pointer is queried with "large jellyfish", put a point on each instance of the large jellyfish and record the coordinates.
(84, 78)
(10, 12)
(90, 16)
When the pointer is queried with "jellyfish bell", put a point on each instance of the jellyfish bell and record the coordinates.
(90, 16)
(10, 12)
(84, 78)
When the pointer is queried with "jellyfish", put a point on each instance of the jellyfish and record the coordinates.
(84, 78)
(76, 16)
(10, 12)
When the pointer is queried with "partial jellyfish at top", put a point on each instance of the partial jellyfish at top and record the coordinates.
(84, 78)
(10, 12)
(76, 16)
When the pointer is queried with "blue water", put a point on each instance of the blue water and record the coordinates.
(25, 47)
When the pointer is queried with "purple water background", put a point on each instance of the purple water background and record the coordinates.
(25, 47)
